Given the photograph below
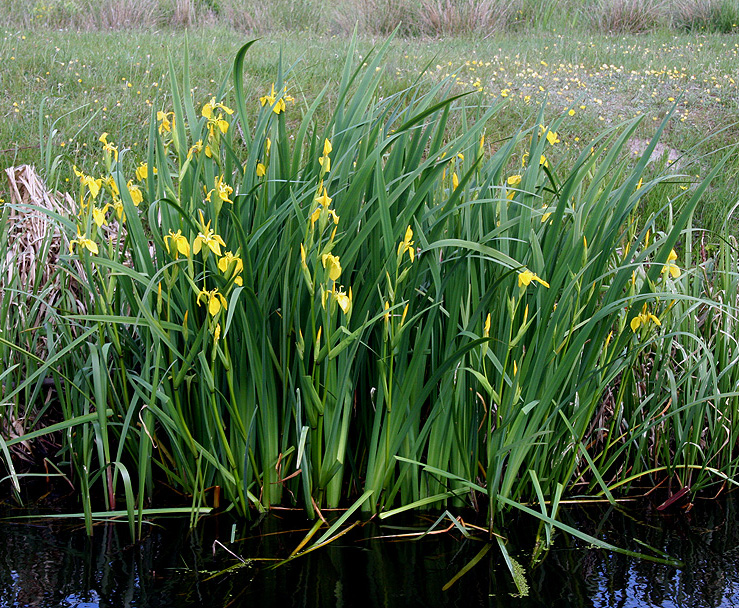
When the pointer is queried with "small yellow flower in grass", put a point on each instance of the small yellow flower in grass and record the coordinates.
(455, 181)
(214, 299)
(261, 170)
(332, 264)
(179, 243)
(386, 315)
(671, 267)
(513, 180)
(552, 137)
(571, 112)
(643, 319)
(217, 333)
(325, 162)
(327, 147)
(333, 216)
(267, 146)
(543, 161)
(486, 327)
(234, 263)
(324, 199)
(83, 242)
(526, 277)
(302, 254)
(207, 237)
(407, 245)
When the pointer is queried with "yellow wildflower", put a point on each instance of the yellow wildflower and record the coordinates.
(234, 263)
(407, 245)
(526, 277)
(135, 192)
(142, 172)
(314, 216)
(223, 189)
(207, 237)
(214, 300)
(108, 147)
(455, 181)
(261, 170)
(343, 299)
(179, 242)
(92, 184)
(196, 148)
(98, 215)
(324, 199)
(327, 147)
(546, 215)
(332, 264)
(486, 327)
(83, 242)
(163, 119)
(671, 267)
(643, 318)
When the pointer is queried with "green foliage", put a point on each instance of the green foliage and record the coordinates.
(286, 310)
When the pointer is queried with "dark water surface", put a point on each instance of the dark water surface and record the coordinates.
(54, 564)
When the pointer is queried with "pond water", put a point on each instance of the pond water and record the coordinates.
(52, 563)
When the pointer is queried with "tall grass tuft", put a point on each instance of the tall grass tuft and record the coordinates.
(626, 16)
(386, 305)
(721, 16)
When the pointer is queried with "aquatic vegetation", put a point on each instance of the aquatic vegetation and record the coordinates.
(383, 310)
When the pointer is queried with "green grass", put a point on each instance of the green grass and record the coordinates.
(94, 82)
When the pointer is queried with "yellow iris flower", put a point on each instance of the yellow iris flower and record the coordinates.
(136, 195)
(83, 242)
(643, 319)
(324, 199)
(332, 264)
(207, 237)
(526, 277)
(671, 267)
(234, 263)
(407, 245)
(179, 242)
(214, 299)
(343, 299)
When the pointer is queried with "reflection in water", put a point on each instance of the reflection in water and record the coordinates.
(53, 564)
